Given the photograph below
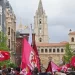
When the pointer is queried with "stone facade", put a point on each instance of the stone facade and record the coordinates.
(72, 39)
(51, 51)
(47, 51)
(8, 24)
(11, 31)
(2, 15)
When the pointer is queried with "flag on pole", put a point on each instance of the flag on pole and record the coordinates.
(30, 35)
(52, 67)
(34, 47)
(38, 59)
(73, 61)
(4, 55)
(29, 60)
(49, 68)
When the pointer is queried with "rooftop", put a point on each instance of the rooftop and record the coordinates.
(52, 44)
(72, 33)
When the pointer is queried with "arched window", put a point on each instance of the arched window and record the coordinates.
(46, 50)
(42, 50)
(40, 39)
(58, 50)
(50, 50)
(62, 50)
(40, 21)
(53, 50)
(72, 39)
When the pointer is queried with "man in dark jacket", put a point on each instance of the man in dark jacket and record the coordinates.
(35, 71)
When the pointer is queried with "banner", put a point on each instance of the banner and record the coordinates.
(28, 56)
(4, 55)
(37, 56)
(52, 67)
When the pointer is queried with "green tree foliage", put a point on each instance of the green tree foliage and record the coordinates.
(12, 65)
(68, 54)
(3, 46)
(2, 63)
(3, 42)
(7, 63)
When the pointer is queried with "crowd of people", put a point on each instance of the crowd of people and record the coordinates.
(43, 72)
(9, 71)
(16, 71)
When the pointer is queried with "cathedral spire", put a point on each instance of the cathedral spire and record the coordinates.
(40, 8)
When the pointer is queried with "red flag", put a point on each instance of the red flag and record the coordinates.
(49, 68)
(28, 56)
(4, 55)
(73, 61)
(68, 65)
(64, 68)
(38, 59)
(52, 67)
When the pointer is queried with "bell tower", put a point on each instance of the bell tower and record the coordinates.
(40, 25)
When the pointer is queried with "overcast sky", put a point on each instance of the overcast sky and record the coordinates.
(61, 16)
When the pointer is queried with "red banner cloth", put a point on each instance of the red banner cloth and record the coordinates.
(37, 56)
(52, 67)
(73, 61)
(4, 55)
(28, 56)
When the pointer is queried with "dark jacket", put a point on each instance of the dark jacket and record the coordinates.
(43, 73)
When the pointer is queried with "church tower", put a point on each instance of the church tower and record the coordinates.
(40, 25)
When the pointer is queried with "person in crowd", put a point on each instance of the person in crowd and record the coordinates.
(43, 71)
(0, 70)
(49, 73)
(9, 71)
(13, 71)
(4, 72)
(17, 71)
(35, 71)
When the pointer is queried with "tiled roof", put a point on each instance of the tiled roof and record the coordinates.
(52, 44)
(72, 33)
(64, 42)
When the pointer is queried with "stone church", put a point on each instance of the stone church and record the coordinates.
(48, 51)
